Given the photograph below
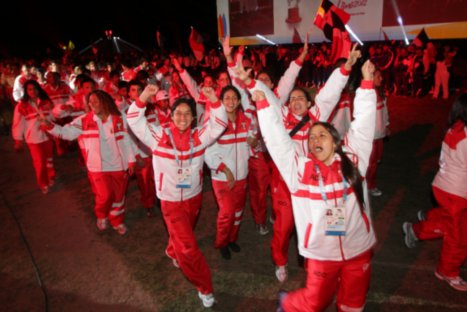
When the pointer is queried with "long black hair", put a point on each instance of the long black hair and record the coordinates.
(106, 100)
(348, 168)
(459, 110)
(41, 94)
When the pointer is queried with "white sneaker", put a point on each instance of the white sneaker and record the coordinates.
(102, 224)
(281, 273)
(410, 238)
(376, 192)
(121, 229)
(455, 282)
(262, 229)
(44, 189)
(421, 215)
(271, 220)
(208, 299)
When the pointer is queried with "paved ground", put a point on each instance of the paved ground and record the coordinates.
(53, 259)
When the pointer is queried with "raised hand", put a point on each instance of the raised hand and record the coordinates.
(305, 50)
(227, 49)
(258, 95)
(210, 94)
(368, 70)
(354, 55)
(150, 90)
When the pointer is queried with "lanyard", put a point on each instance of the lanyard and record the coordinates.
(323, 190)
(175, 150)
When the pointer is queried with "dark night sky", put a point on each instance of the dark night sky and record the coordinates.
(38, 25)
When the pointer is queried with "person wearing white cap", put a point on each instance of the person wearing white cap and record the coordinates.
(159, 114)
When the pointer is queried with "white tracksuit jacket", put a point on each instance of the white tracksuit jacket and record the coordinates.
(300, 175)
(85, 129)
(164, 160)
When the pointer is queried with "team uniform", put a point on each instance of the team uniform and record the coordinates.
(382, 122)
(230, 150)
(448, 221)
(26, 126)
(282, 206)
(334, 232)
(178, 160)
(108, 154)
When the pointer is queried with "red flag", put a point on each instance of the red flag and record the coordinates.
(196, 44)
(421, 39)
(341, 45)
(296, 36)
(332, 20)
(329, 17)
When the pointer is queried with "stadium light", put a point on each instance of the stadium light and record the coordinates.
(265, 39)
(347, 27)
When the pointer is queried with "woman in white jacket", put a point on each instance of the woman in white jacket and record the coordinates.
(330, 202)
(178, 157)
(33, 106)
(108, 155)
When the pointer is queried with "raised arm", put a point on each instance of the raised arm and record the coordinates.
(278, 142)
(287, 81)
(137, 120)
(329, 95)
(359, 139)
(215, 118)
(189, 82)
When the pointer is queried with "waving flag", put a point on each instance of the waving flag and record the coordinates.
(331, 20)
(196, 44)
(422, 39)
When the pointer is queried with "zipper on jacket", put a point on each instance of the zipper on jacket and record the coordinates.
(341, 248)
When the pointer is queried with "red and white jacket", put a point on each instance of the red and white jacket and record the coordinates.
(231, 150)
(59, 94)
(86, 129)
(341, 116)
(26, 124)
(282, 91)
(302, 178)
(165, 155)
(452, 172)
(325, 101)
(382, 118)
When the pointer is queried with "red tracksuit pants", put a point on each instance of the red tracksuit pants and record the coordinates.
(259, 179)
(375, 157)
(145, 180)
(449, 222)
(109, 189)
(180, 219)
(231, 203)
(283, 222)
(42, 160)
(350, 278)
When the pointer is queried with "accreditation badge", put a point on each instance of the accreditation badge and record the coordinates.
(184, 177)
(335, 221)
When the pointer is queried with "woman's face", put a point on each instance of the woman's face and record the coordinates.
(321, 144)
(230, 101)
(182, 117)
(32, 91)
(96, 106)
(298, 103)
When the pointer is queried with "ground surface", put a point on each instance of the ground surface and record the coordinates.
(54, 237)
